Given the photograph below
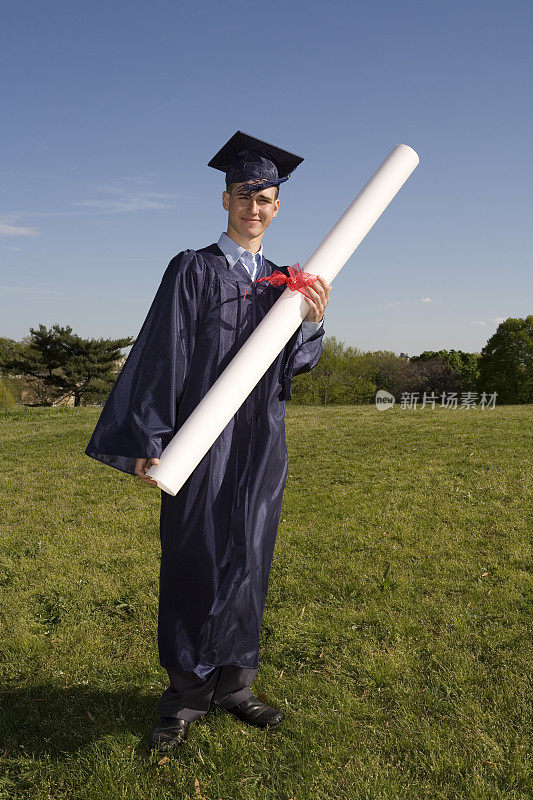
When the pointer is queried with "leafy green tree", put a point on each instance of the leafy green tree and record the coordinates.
(8, 349)
(465, 366)
(6, 398)
(433, 375)
(13, 384)
(389, 371)
(338, 378)
(65, 364)
(506, 363)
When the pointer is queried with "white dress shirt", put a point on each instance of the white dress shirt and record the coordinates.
(252, 262)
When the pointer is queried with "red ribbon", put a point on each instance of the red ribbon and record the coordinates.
(295, 280)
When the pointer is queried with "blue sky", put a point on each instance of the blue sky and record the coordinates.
(112, 111)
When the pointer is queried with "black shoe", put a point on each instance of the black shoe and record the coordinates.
(168, 734)
(254, 712)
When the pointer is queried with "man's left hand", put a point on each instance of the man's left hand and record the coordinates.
(318, 298)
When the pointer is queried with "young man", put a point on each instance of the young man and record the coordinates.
(218, 533)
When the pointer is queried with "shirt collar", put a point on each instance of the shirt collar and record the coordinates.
(234, 251)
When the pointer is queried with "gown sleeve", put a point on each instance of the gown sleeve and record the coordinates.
(309, 328)
(302, 355)
(139, 416)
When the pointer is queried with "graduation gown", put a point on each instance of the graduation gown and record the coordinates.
(218, 533)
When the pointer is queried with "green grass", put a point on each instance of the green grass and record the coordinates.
(394, 638)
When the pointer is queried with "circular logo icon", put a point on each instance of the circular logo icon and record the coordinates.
(384, 400)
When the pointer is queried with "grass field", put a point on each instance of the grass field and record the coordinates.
(395, 636)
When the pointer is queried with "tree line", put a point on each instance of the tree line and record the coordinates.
(54, 365)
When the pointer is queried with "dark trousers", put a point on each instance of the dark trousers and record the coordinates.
(189, 697)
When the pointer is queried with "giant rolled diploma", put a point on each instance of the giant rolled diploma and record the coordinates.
(189, 445)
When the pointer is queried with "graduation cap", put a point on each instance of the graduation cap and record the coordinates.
(258, 164)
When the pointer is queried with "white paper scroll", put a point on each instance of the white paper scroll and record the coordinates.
(189, 445)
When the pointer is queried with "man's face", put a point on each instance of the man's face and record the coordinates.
(250, 216)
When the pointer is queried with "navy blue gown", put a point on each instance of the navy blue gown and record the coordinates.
(218, 532)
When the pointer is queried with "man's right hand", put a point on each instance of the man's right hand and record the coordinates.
(142, 465)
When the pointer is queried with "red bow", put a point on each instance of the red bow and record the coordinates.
(296, 279)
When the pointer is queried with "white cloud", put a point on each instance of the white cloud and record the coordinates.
(498, 320)
(426, 300)
(478, 323)
(8, 228)
(392, 303)
(125, 198)
(129, 194)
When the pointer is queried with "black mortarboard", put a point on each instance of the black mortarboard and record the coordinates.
(247, 159)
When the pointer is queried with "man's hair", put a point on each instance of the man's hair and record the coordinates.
(229, 189)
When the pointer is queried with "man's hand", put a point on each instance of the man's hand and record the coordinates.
(142, 465)
(319, 298)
